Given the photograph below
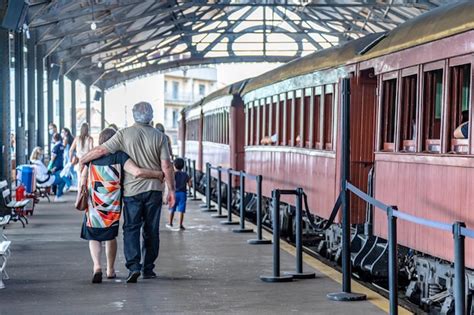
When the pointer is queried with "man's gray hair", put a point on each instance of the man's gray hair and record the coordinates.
(142, 112)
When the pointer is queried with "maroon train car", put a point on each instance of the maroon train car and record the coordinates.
(292, 126)
(409, 89)
(190, 134)
(210, 132)
(425, 82)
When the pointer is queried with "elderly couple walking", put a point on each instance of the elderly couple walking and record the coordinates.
(128, 166)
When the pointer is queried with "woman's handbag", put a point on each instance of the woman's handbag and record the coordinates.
(82, 199)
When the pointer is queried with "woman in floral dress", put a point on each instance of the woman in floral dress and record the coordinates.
(104, 179)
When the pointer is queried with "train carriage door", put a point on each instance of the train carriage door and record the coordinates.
(362, 136)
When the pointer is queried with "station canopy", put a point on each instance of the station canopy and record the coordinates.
(106, 42)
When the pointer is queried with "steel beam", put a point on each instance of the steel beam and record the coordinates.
(50, 98)
(102, 109)
(40, 112)
(31, 121)
(73, 107)
(20, 99)
(5, 119)
(61, 101)
(88, 104)
(114, 78)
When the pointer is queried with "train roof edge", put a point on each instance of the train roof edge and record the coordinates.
(436, 24)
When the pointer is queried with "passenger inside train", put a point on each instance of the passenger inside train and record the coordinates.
(462, 131)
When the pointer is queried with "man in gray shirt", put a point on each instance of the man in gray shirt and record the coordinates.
(142, 200)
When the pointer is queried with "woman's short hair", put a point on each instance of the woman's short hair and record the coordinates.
(35, 154)
(105, 135)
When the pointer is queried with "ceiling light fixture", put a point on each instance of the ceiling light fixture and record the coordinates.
(93, 26)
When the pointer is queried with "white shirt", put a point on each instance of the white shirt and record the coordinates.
(41, 173)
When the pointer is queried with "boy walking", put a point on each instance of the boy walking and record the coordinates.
(182, 179)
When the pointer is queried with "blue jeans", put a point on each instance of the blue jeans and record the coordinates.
(59, 183)
(142, 210)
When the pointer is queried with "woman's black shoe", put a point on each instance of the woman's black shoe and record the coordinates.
(97, 277)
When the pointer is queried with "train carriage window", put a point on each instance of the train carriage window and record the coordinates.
(213, 130)
(274, 128)
(282, 119)
(247, 127)
(328, 112)
(255, 113)
(307, 117)
(260, 113)
(408, 114)
(388, 110)
(215, 127)
(208, 128)
(266, 122)
(269, 105)
(208, 125)
(222, 127)
(297, 136)
(433, 95)
(317, 118)
(204, 133)
(219, 127)
(289, 115)
(458, 112)
(227, 131)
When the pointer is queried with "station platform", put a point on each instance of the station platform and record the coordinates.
(205, 269)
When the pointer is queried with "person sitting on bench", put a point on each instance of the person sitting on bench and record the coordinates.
(43, 176)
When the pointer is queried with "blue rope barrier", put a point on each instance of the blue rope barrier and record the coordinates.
(362, 195)
(467, 233)
(421, 221)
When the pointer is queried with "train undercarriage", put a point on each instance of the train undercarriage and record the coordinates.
(425, 282)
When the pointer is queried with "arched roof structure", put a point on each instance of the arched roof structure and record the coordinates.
(106, 42)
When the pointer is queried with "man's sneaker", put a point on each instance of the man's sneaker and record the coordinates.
(59, 199)
(169, 226)
(133, 276)
(148, 275)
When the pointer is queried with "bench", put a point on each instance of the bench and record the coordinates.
(4, 250)
(43, 191)
(16, 207)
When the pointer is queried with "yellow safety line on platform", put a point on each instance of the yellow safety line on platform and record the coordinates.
(372, 296)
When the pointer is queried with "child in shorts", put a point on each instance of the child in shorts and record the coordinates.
(181, 180)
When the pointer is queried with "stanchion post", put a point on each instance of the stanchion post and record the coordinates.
(276, 277)
(209, 207)
(459, 270)
(392, 261)
(229, 200)
(242, 228)
(346, 294)
(195, 184)
(259, 240)
(219, 195)
(299, 274)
